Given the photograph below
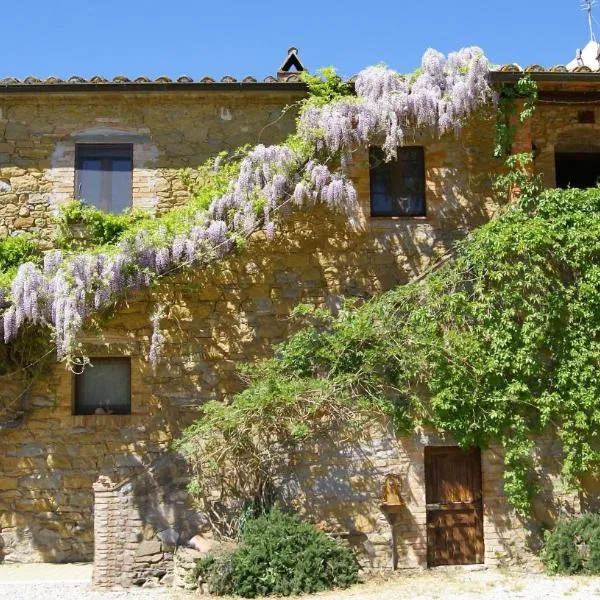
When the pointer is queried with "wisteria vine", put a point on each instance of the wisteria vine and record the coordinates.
(69, 287)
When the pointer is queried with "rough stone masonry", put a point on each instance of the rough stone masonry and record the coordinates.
(223, 315)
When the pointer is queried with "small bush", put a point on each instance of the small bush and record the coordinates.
(15, 251)
(280, 554)
(101, 227)
(573, 546)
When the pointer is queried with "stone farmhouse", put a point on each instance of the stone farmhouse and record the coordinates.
(76, 482)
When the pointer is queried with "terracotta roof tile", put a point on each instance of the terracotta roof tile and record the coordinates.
(514, 68)
(284, 75)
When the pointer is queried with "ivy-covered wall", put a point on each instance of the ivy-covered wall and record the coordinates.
(217, 317)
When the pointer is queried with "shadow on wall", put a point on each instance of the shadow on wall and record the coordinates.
(339, 485)
(163, 505)
(218, 316)
(140, 522)
(46, 498)
(336, 484)
(511, 534)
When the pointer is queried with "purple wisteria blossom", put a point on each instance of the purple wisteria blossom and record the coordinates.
(69, 287)
(439, 96)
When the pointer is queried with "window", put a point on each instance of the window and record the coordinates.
(104, 387)
(586, 117)
(398, 186)
(577, 169)
(104, 175)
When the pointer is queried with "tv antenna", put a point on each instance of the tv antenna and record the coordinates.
(588, 6)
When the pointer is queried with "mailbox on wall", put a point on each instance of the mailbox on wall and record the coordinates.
(392, 501)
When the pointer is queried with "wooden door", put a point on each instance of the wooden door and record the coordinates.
(454, 506)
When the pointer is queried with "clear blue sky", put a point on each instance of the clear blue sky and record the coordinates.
(232, 37)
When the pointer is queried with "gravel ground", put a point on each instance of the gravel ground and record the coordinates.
(66, 582)
(72, 582)
(467, 583)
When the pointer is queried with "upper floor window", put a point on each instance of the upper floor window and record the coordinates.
(577, 169)
(398, 186)
(104, 175)
(104, 387)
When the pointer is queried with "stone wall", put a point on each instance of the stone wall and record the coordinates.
(556, 126)
(217, 317)
(139, 523)
(144, 522)
(169, 131)
(339, 486)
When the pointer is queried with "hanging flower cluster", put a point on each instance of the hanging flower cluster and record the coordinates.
(439, 96)
(68, 288)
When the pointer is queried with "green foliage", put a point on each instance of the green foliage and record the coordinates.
(573, 546)
(212, 178)
(15, 251)
(498, 344)
(98, 228)
(324, 87)
(280, 554)
(82, 225)
(519, 178)
(524, 89)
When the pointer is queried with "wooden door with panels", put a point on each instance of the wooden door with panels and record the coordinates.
(454, 506)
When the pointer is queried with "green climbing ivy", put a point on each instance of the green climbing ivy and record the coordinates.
(499, 344)
(80, 225)
(83, 225)
(524, 89)
(15, 251)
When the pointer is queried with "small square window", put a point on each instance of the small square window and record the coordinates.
(104, 387)
(586, 117)
(398, 186)
(103, 175)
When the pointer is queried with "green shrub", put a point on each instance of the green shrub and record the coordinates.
(573, 546)
(100, 227)
(15, 251)
(280, 554)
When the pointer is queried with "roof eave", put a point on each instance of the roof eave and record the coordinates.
(499, 77)
(18, 88)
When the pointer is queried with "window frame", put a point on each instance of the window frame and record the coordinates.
(76, 383)
(106, 153)
(396, 214)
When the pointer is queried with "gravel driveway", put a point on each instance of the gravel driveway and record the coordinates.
(71, 582)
